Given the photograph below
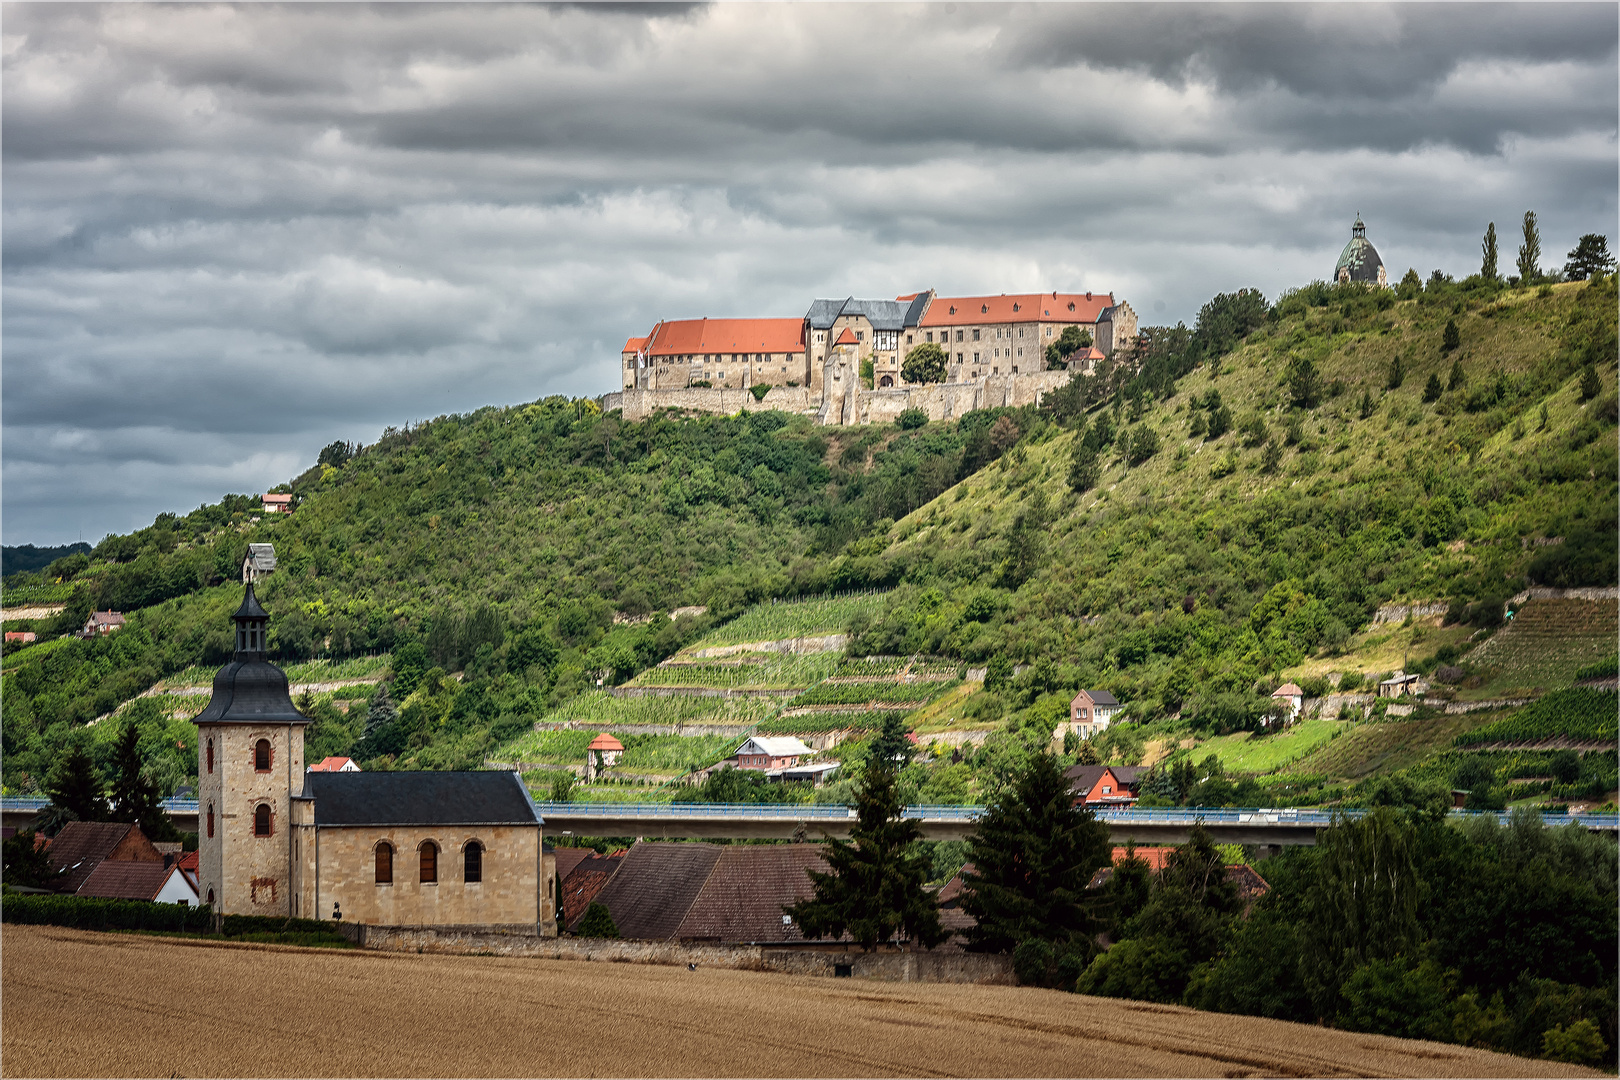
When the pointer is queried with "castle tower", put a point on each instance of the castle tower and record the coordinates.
(250, 753)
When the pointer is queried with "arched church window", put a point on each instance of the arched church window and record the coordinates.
(261, 756)
(429, 852)
(261, 820)
(210, 819)
(210, 755)
(385, 863)
(472, 861)
(210, 897)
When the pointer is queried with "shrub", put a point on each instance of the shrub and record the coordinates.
(1031, 958)
(1270, 457)
(1144, 443)
(598, 922)
(911, 419)
(1451, 339)
(760, 390)
(1349, 681)
(1591, 383)
(1396, 374)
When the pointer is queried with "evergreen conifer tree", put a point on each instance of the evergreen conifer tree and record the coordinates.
(1530, 250)
(598, 922)
(1457, 377)
(1397, 373)
(1433, 389)
(1451, 338)
(1083, 469)
(891, 742)
(76, 788)
(1591, 383)
(134, 798)
(1033, 854)
(1590, 256)
(876, 887)
(1488, 269)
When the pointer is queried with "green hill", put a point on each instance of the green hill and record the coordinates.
(1185, 530)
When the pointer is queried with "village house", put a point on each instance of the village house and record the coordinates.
(604, 752)
(277, 504)
(102, 623)
(764, 752)
(1091, 712)
(81, 846)
(394, 848)
(24, 636)
(160, 883)
(1102, 786)
(334, 764)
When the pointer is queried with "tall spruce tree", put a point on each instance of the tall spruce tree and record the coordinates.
(1033, 854)
(1530, 250)
(135, 798)
(76, 789)
(1488, 268)
(876, 888)
(890, 744)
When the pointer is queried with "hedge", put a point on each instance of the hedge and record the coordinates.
(87, 913)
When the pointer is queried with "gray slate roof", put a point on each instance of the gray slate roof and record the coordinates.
(882, 314)
(262, 556)
(494, 797)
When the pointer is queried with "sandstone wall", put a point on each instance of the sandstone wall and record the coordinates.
(515, 940)
(847, 402)
(249, 874)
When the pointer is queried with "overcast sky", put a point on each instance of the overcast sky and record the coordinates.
(235, 234)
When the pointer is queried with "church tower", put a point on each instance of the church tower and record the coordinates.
(250, 753)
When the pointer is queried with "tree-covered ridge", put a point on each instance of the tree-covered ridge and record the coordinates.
(1244, 546)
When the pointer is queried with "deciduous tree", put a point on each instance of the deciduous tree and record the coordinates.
(924, 364)
(1487, 268)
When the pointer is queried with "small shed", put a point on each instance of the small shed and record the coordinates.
(260, 560)
(604, 752)
(1400, 684)
(101, 623)
(1291, 695)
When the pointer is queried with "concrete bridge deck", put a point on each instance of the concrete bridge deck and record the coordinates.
(714, 821)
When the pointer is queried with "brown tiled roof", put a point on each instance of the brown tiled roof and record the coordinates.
(655, 886)
(568, 858)
(80, 847)
(584, 882)
(119, 880)
(1250, 885)
(951, 894)
(743, 898)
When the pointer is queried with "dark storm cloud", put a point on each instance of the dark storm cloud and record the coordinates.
(233, 234)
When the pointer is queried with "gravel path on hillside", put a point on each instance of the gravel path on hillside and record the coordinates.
(83, 1004)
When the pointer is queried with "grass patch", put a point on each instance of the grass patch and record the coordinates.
(1245, 753)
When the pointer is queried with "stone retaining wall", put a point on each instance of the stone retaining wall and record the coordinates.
(800, 646)
(692, 691)
(505, 940)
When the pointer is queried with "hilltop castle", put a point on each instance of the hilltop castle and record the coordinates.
(995, 347)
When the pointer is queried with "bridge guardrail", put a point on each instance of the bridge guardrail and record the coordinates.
(1147, 815)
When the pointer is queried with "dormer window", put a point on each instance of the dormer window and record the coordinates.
(984, 309)
(1015, 307)
(1071, 305)
(953, 309)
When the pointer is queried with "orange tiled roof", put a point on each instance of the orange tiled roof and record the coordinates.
(846, 338)
(605, 741)
(682, 337)
(1022, 307)
(634, 344)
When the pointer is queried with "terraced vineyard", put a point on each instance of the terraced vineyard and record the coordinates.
(787, 619)
(670, 755)
(600, 711)
(745, 671)
(886, 693)
(811, 723)
(1577, 715)
(1386, 747)
(1547, 642)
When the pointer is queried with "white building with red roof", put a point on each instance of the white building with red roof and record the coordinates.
(334, 764)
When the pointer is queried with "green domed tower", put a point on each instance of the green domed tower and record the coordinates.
(1359, 260)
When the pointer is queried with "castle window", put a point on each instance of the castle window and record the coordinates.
(385, 863)
(1048, 331)
(210, 819)
(472, 862)
(210, 755)
(261, 820)
(261, 756)
(210, 897)
(975, 333)
(429, 852)
(958, 335)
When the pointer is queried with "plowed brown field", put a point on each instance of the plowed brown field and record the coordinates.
(85, 1004)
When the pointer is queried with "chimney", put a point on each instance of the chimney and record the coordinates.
(1088, 296)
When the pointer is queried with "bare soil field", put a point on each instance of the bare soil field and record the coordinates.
(84, 1004)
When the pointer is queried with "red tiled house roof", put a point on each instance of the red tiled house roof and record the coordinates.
(584, 882)
(81, 846)
(1023, 307)
(683, 337)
